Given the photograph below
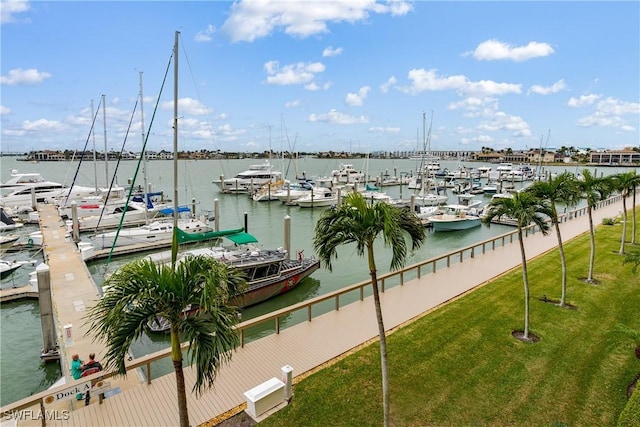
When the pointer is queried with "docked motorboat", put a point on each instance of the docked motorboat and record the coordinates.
(268, 272)
(7, 223)
(8, 267)
(319, 197)
(347, 173)
(23, 189)
(251, 179)
(455, 217)
(268, 192)
(292, 191)
(6, 241)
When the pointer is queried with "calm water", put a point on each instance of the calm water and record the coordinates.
(22, 373)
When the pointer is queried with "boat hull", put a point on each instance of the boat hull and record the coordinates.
(455, 224)
(289, 279)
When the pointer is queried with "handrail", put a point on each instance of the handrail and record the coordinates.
(145, 361)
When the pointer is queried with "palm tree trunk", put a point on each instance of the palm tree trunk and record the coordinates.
(525, 279)
(633, 217)
(592, 239)
(563, 262)
(383, 337)
(176, 357)
(624, 222)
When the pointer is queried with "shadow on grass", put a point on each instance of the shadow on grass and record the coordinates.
(531, 338)
(556, 302)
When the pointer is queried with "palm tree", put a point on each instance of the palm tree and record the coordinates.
(355, 221)
(634, 183)
(624, 183)
(141, 291)
(561, 189)
(526, 208)
(633, 258)
(593, 189)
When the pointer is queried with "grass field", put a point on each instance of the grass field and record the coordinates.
(460, 366)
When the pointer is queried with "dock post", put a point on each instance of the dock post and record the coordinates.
(246, 222)
(216, 214)
(33, 199)
(413, 203)
(339, 196)
(75, 231)
(287, 235)
(193, 207)
(50, 349)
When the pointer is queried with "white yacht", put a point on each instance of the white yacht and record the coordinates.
(19, 192)
(250, 180)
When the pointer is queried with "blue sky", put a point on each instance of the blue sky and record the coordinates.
(351, 75)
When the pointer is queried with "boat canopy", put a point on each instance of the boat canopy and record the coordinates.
(169, 211)
(237, 236)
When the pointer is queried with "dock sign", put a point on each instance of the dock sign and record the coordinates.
(68, 393)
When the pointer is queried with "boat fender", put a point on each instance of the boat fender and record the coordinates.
(30, 242)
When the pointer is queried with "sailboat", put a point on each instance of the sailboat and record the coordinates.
(268, 272)
(427, 194)
(160, 230)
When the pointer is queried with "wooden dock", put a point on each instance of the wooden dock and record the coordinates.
(22, 292)
(304, 346)
(72, 290)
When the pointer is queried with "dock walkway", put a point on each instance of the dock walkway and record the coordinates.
(72, 291)
(304, 346)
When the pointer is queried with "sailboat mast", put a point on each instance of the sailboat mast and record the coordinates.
(95, 160)
(106, 153)
(145, 191)
(175, 133)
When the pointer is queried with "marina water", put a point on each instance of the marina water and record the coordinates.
(22, 372)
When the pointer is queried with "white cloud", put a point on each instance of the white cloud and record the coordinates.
(357, 99)
(423, 80)
(330, 51)
(293, 104)
(19, 76)
(474, 106)
(609, 112)
(251, 20)
(379, 129)
(491, 50)
(583, 101)
(9, 8)
(42, 125)
(489, 87)
(187, 106)
(292, 74)
(384, 87)
(4, 110)
(546, 90)
(336, 117)
(504, 122)
(313, 86)
(205, 35)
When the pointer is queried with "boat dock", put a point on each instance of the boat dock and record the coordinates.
(305, 346)
(22, 292)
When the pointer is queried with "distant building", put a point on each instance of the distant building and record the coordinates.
(615, 157)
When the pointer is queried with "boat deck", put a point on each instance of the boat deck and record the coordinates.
(304, 346)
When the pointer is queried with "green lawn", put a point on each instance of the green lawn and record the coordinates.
(460, 366)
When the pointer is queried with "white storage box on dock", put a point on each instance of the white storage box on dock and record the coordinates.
(264, 396)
